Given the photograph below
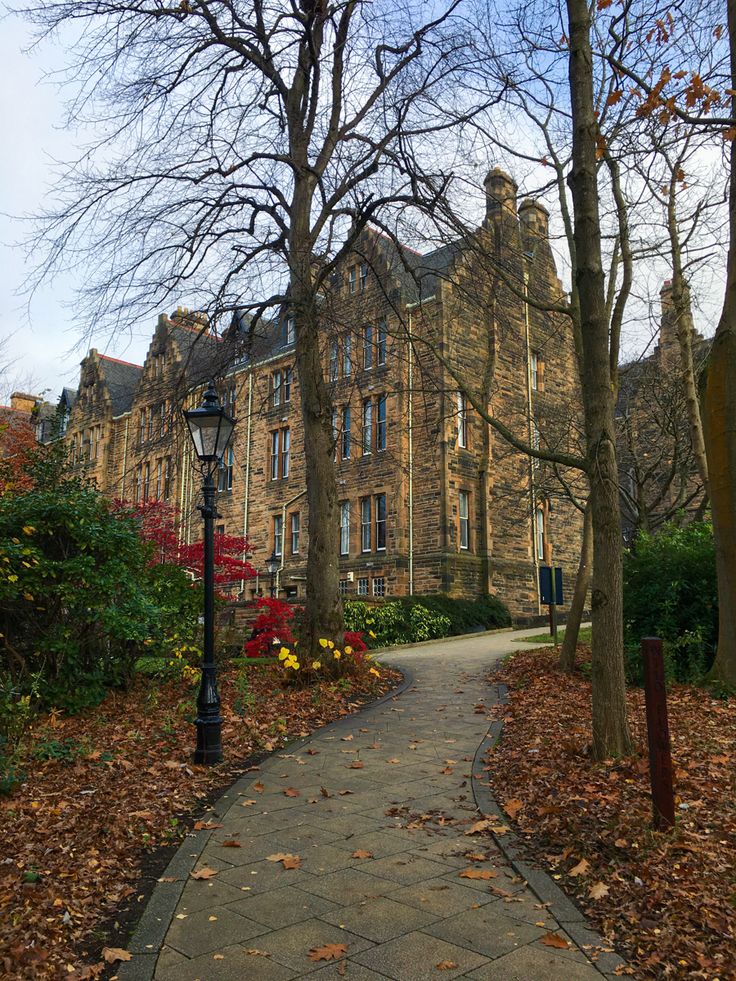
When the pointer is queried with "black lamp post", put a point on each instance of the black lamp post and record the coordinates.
(210, 428)
(272, 564)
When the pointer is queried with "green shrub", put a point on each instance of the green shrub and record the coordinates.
(412, 619)
(670, 591)
(80, 599)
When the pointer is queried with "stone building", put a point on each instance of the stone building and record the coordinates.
(659, 477)
(432, 497)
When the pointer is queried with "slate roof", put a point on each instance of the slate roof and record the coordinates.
(122, 379)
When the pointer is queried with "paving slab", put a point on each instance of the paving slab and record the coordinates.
(402, 909)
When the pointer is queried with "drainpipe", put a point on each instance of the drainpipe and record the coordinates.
(530, 433)
(246, 494)
(284, 506)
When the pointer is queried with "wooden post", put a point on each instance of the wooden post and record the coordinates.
(658, 730)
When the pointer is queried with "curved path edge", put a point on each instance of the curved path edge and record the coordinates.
(564, 909)
(148, 938)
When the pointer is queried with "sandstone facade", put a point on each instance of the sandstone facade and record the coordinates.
(433, 498)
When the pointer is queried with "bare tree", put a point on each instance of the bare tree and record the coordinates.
(245, 146)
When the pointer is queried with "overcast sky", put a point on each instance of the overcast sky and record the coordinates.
(41, 343)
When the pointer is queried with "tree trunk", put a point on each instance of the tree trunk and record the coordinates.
(610, 726)
(582, 584)
(323, 609)
(685, 333)
(719, 424)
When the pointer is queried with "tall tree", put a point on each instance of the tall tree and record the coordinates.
(610, 727)
(245, 145)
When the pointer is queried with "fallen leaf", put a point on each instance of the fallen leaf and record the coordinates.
(325, 792)
(446, 966)
(231, 844)
(500, 829)
(329, 952)
(476, 857)
(394, 760)
(287, 860)
(207, 825)
(255, 952)
(512, 807)
(582, 868)
(203, 873)
(477, 874)
(356, 765)
(343, 793)
(598, 891)
(362, 853)
(112, 954)
(292, 792)
(247, 803)
(346, 739)
(312, 752)
(258, 787)
(555, 940)
(479, 826)
(218, 957)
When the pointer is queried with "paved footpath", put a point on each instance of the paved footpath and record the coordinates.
(391, 784)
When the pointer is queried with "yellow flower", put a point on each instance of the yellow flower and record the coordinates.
(28, 529)
(376, 673)
(284, 652)
(295, 665)
(316, 665)
(323, 642)
(348, 650)
(338, 655)
(330, 644)
(371, 634)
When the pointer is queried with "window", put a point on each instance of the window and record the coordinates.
(343, 587)
(146, 481)
(296, 523)
(285, 451)
(290, 330)
(142, 427)
(536, 370)
(381, 343)
(275, 442)
(276, 388)
(380, 522)
(363, 275)
(219, 529)
(464, 519)
(381, 423)
(539, 517)
(379, 586)
(367, 427)
(159, 478)
(162, 419)
(363, 587)
(462, 420)
(138, 483)
(368, 346)
(352, 278)
(278, 533)
(334, 361)
(151, 413)
(287, 385)
(95, 449)
(535, 441)
(365, 524)
(333, 416)
(225, 475)
(347, 355)
(346, 432)
(345, 528)
(167, 478)
(230, 395)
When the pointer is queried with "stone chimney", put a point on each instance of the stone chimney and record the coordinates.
(534, 219)
(22, 402)
(500, 193)
(668, 345)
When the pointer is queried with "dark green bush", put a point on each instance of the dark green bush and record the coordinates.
(670, 591)
(411, 619)
(80, 599)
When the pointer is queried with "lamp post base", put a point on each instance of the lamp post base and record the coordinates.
(209, 743)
